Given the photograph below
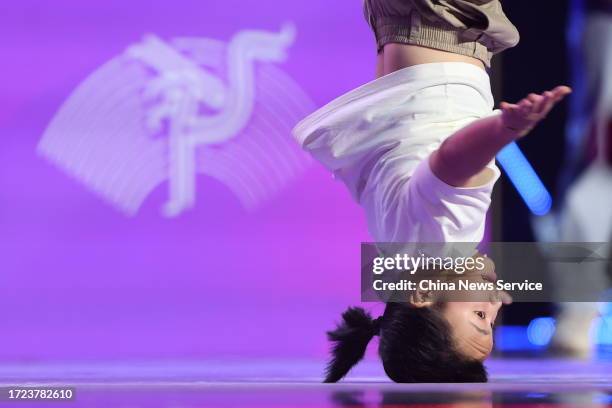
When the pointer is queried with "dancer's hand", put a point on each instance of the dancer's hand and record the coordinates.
(522, 117)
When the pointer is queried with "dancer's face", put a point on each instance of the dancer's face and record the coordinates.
(472, 326)
(471, 322)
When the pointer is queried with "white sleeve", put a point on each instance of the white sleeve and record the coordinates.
(423, 208)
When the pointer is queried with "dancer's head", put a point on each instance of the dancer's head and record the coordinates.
(419, 341)
(425, 335)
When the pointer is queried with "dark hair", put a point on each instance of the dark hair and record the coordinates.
(416, 345)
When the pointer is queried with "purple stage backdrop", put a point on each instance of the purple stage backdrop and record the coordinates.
(111, 247)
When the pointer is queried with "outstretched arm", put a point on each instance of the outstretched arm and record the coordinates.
(461, 159)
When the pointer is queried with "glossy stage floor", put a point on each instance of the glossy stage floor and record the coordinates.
(172, 384)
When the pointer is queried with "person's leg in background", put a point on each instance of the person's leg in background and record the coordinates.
(586, 183)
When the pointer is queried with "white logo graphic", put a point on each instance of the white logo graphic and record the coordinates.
(169, 110)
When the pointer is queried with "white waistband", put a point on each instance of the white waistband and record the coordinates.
(412, 78)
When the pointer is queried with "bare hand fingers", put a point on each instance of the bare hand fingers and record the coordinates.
(561, 91)
(554, 97)
(505, 298)
(537, 101)
(548, 100)
(525, 107)
(507, 106)
(500, 296)
(489, 275)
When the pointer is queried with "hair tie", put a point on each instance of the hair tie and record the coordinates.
(376, 323)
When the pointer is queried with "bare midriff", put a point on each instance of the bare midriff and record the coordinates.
(396, 56)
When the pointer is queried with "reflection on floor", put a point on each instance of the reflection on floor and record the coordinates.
(514, 383)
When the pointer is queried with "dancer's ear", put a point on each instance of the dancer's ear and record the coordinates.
(421, 298)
